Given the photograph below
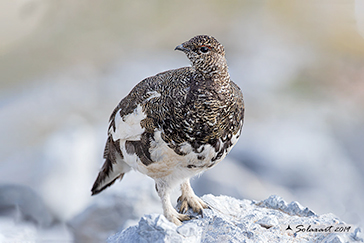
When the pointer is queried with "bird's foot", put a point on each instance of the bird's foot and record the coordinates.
(191, 201)
(178, 218)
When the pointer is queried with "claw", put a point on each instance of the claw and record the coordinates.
(193, 217)
(195, 203)
(179, 218)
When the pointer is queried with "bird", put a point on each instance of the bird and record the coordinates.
(175, 125)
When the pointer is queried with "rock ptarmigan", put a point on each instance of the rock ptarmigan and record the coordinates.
(175, 125)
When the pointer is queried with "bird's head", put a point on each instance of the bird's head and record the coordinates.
(206, 54)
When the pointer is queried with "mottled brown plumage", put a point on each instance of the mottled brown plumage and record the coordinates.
(176, 124)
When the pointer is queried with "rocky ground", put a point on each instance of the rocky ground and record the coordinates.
(120, 216)
(232, 220)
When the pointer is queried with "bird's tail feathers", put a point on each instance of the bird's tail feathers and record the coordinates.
(108, 174)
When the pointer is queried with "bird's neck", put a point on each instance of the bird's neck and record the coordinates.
(218, 75)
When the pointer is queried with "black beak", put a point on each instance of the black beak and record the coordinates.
(181, 48)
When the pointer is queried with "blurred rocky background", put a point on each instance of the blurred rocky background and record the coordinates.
(64, 65)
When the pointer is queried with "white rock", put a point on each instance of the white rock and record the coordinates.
(232, 220)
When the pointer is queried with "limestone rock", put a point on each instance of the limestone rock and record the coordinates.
(232, 220)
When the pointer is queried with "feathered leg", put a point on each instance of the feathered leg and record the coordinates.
(169, 212)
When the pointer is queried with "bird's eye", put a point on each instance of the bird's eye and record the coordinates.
(204, 49)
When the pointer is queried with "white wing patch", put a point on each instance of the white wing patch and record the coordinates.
(128, 127)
